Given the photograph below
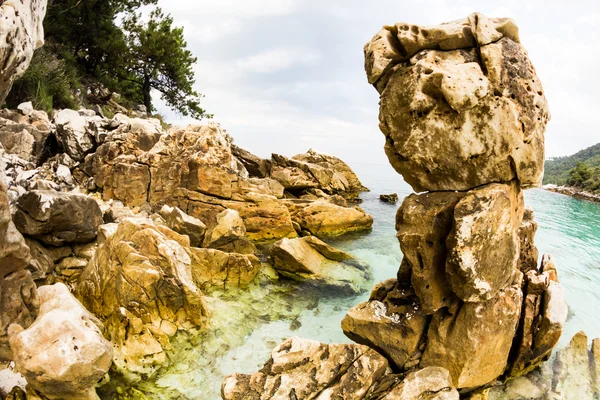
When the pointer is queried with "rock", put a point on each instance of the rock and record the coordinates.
(389, 198)
(576, 370)
(391, 322)
(20, 143)
(62, 354)
(423, 223)
(308, 259)
(74, 134)
(497, 118)
(41, 263)
(305, 369)
(256, 166)
(25, 108)
(56, 218)
(483, 246)
(324, 219)
(117, 212)
(22, 33)
(431, 383)
(228, 233)
(140, 280)
(473, 340)
(217, 269)
(184, 224)
(528, 258)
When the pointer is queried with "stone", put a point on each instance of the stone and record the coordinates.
(41, 263)
(217, 269)
(431, 383)
(528, 257)
(473, 340)
(256, 166)
(483, 246)
(62, 354)
(324, 219)
(21, 143)
(310, 260)
(228, 233)
(56, 218)
(576, 370)
(391, 322)
(305, 369)
(22, 32)
(73, 133)
(25, 108)
(389, 198)
(184, 224)
(432, 82)
(142, 272)
(423, 223)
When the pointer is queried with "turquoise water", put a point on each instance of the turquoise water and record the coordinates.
(250, 324)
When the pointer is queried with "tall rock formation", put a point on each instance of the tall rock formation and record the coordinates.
(464, 115)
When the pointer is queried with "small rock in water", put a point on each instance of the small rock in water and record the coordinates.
(389, 198)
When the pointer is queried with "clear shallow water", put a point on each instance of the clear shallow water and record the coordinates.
(250, 324)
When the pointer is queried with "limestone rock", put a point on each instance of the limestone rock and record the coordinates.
(308, 259)
(449, 125)
(423, 223)
(576, 370)
(41, 263)
(62, 354)
(431, 383)
(324, 219)
(184, 224)
(483, 246)
(74, 134)
(305, 369)
(256, 166)
(21, 32)
(56, 218)
(473, 340)
(391, 322)
(228, 233)
(217, 269)
(389, 198)
(528, 258)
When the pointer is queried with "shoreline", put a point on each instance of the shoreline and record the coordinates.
(573, 192)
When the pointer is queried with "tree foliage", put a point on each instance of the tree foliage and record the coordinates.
(87, 41)
(585, 177)
(558, 169)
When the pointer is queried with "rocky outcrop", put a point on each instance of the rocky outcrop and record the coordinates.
(305, 369)
(57, 218)
(184, 224)
(481, 88)
(431, 383)
(228, 233)
(325, 219)
(21, 32)
(62, 354)
(311, 260)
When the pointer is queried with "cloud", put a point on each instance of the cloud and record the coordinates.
(273, 60)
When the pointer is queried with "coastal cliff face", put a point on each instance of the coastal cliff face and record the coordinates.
(464, 116)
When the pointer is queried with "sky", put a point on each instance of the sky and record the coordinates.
(283, 76)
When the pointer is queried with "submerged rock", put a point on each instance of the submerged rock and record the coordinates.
(308, 259)
(305, 369)
(56, 218)
(62, 354)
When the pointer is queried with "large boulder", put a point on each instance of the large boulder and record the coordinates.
(62, 354)
(184, 224)
(56, 218)
(213, 268)
(308, 259)
(140, 281)
(483, 246)
(461, 105)
(228, 233)
(21, 32)
(305, 369)
(74, 133)
(391, 322)
(324, 219)
(473, 340)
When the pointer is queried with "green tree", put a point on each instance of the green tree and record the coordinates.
(158, 59)
(579, 175)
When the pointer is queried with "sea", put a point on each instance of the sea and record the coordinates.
(249, 324)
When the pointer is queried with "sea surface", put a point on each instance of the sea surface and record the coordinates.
(249, 324)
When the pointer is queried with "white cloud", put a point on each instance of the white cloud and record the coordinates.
(273, 60)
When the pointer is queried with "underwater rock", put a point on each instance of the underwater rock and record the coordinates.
(56, 218)
(62, 354)
(305, 369)
(308, 259)
(228, 233)
(458, 113)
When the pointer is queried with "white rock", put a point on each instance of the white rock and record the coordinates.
(25, 108)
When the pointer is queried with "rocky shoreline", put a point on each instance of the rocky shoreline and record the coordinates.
(124, 245)
(573, 192)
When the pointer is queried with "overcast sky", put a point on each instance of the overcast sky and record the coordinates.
(287, 75)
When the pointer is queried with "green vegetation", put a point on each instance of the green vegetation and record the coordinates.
(103, 43)
(580, 170)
